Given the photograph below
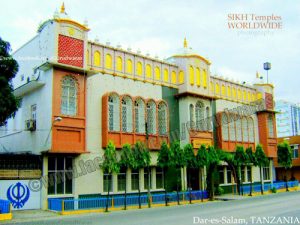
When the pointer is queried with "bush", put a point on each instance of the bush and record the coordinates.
(219, 191)
(273, 190)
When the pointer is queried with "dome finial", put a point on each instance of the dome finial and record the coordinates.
(62, 8)
(185, 44)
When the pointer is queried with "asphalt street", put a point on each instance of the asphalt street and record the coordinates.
(278, 208)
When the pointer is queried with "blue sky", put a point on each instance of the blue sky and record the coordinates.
(159, 26)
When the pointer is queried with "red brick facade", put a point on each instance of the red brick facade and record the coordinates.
(70, 51)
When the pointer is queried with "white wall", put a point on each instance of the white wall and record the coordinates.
(20, 193)
(34, 141)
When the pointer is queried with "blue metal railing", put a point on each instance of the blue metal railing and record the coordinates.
(4, 206)
(268, 186)
(118, 201)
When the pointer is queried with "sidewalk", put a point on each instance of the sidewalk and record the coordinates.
(31, 215)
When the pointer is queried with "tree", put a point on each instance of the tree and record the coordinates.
(251, 161)
(110, 165)
(240, 159)
(190, 163)
(9, 67)
(262, 160)
(284, 157)
(229, 159)
(163, 161)
(178, 161)
(142, 159)
(126, 161)
(202, 161)
(213, 159)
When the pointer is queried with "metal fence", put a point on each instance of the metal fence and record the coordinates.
(269, 186)
(4, 206)
(60, 205)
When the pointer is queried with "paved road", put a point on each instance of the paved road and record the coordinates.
(268, 209)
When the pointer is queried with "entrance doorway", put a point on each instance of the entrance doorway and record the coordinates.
(193, 179)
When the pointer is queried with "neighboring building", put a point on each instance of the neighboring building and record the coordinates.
(294, 172)
(78, 94)
(288, 118)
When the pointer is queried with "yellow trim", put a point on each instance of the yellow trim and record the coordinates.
(161, 83)
(6, 216)
(270, 85)
(193, 56)
(72, 22)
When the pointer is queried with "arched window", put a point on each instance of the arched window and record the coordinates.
(151, 117)
(148, 71)
(192, 75)
(200, 110)
(108, 61)
(166, 75)
(233, 92)
(245, 130)
(249, 96)
(217, 89)
(174, 78)
(251, 129)
(223, 90)
(225, 127)
(129, 66)
(259, 95)
(126, 114)
(253, 97)
(208, 120)
(157, 73)
(239, 94)
(113, 112)
(270, 126)
(228, 91)
(211, 86)
(181, 77)
(139, 69)
(232, 131)
(119, 66)
(198, 77)
(139, 116)
(97, 58)
(162, 118)
(192, 123)
(245, 95)
(238, 125)
(204, 78)
(69, 96)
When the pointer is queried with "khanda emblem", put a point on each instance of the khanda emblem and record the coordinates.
(18, 195)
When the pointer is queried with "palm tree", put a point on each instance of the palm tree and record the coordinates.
(251, 160)
(177, 161)
(240, 159)
(164, 161)
(213, 162)
(110, 165)
(126, 161)
(142, 159)
(202, 161)
(284, 157)
(262, 160)
(190, 163)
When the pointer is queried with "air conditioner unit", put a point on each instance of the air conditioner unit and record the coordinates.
(30, 125)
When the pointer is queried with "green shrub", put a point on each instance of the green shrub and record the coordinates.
(273, 190)
(219, 191)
